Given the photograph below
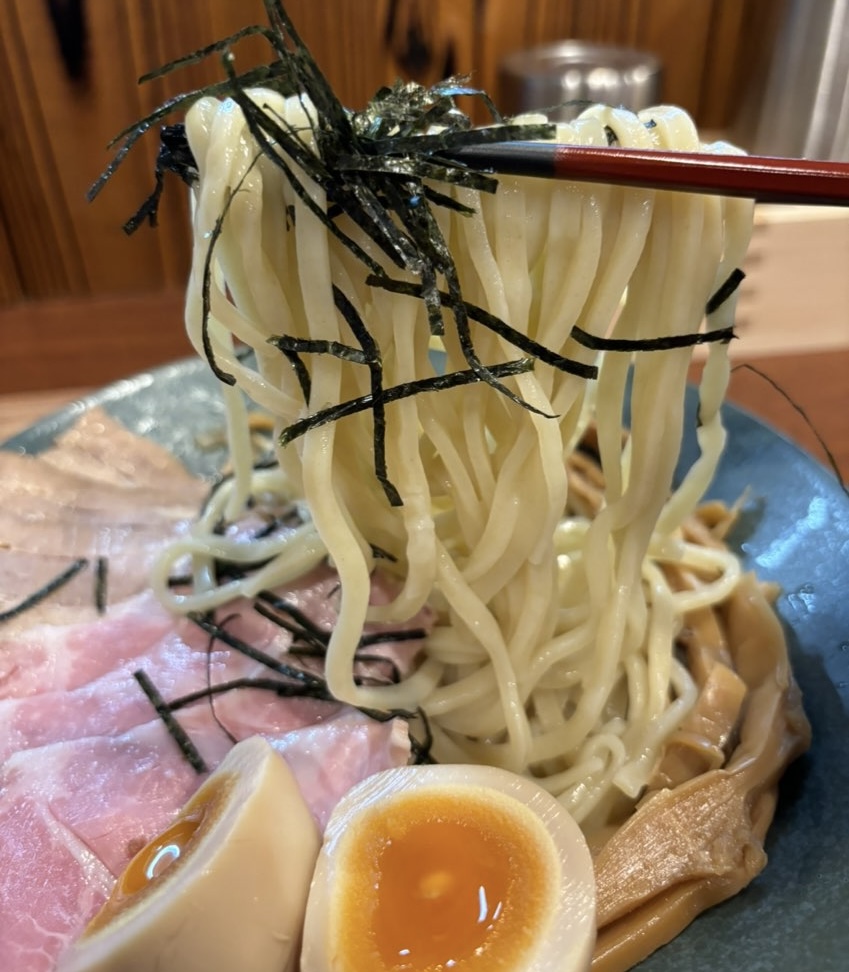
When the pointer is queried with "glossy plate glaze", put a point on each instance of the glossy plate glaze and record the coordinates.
(794, 530)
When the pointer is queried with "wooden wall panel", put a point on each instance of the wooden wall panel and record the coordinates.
(55, 129)
(677, 32)
(10, 281)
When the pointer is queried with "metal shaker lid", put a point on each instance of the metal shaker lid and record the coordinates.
(565, 76)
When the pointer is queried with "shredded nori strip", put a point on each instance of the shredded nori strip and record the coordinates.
(422, 750)
(174, 156)
(735, 278)
(315, 640)
(302, 651)
(311, 639)
(305, 624)
(44, 592)
(382, 637)
(595, 343)
(101, 575)
(372, 166)
(317, 346)
(310, 683)
(210, 647)
(206, 341)
(371, 355)
(175, 730)
(308, 686)
(495, 324)
(286, 690)
(453, 379)
(223, 376)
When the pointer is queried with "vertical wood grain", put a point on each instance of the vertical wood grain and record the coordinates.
(677, 31)
(11, 290)
(739, 43)
(34, 204)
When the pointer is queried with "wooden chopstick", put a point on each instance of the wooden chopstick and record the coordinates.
(766, 179)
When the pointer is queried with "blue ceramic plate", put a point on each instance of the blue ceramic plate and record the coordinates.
(794, 530)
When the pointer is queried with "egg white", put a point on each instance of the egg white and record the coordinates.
(566, 934)
(236, 898)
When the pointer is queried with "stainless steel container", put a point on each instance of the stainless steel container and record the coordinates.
(799, 106)
(564, 76)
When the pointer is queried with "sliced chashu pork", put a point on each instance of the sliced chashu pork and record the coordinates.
(99, 492)
(72, 814)
(88, 776)
(67, 683)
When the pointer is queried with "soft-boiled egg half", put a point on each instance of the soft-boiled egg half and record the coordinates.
(450, 869)
(223, 888)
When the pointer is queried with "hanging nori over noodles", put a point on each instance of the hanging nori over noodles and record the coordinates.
(378, 167)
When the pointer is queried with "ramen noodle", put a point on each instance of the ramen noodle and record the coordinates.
(553, 654)
(447, 372)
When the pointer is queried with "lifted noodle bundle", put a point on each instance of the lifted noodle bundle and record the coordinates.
(561, 600)
(554, 649)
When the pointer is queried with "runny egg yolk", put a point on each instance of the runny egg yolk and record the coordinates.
(439, 883)
(166, 850)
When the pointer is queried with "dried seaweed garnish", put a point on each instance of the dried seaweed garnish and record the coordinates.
(310, 683)
(373, 166)
(206, 341)
(395, 393)
(311, 641)
(735, 278)
(385, 637)
(223, 376)
(420, 750)
(300, 369)
(405, 107)
(286, 690)
(317, 346)
(595, 343)
(367, 354)
(495, 324)
(311, 638)
(441, 145)
(305, 623)
(174, 156)
(131, 135)
(53, 585)
(101, 577)
(175, 730)
(210, 647)
(293, 683)
(393, 678)
(371, 355)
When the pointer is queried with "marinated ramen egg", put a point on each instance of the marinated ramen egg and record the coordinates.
(450, 868)
(224, 887)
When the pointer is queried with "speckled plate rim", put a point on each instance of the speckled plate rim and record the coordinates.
(794, 530)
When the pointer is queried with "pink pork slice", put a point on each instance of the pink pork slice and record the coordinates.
(89, 776)
(82, 684)
(72, 814)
